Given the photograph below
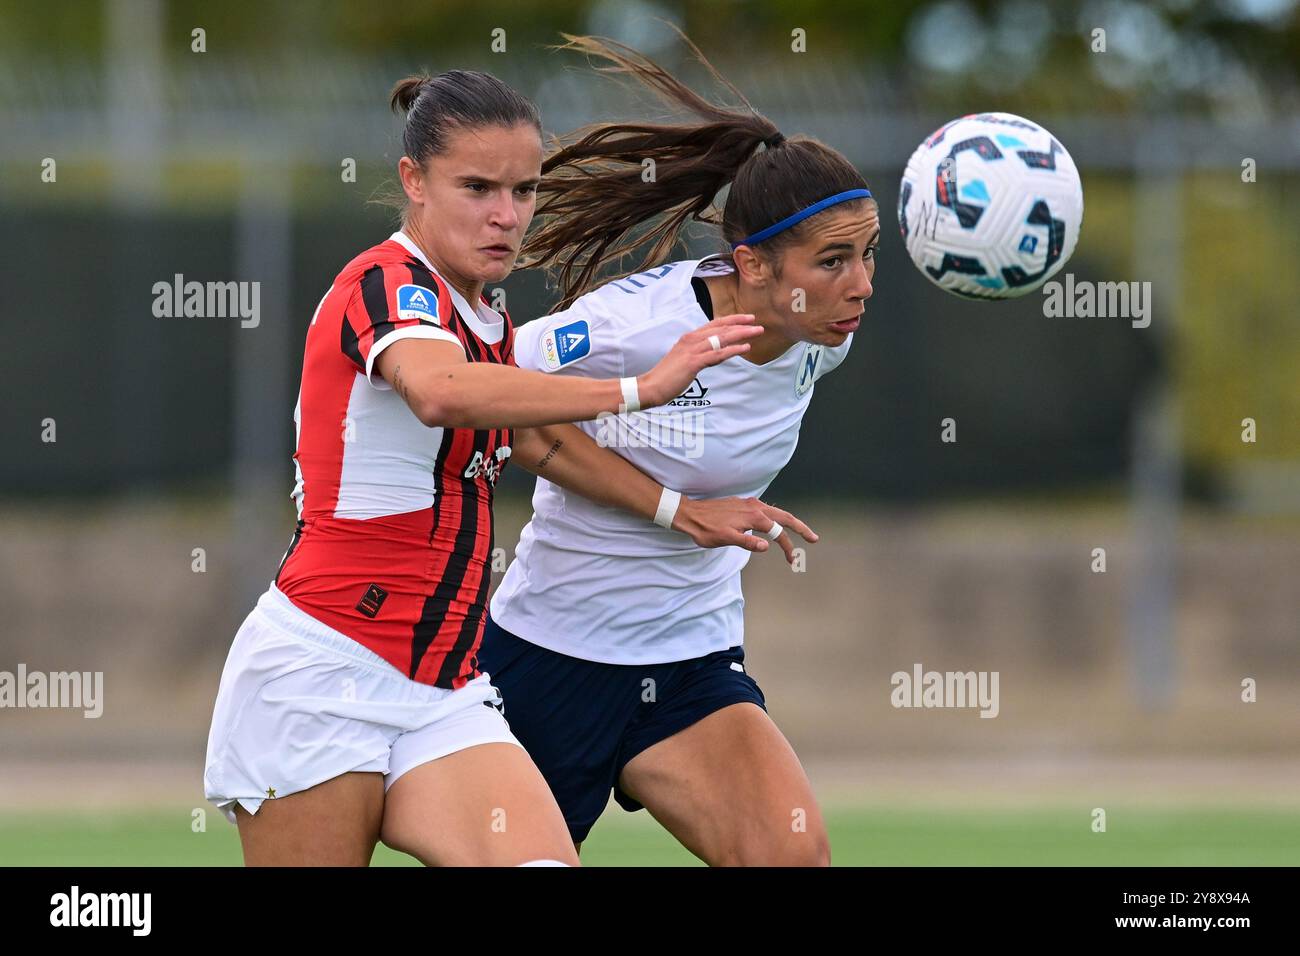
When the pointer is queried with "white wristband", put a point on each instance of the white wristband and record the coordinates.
(668, 502)
(631, 398)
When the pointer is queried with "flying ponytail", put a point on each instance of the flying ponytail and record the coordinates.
(596, 206)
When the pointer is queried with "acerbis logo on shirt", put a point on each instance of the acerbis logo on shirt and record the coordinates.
(693, 397)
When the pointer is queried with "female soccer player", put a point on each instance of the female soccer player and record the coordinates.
(352, 707)
(618, 648)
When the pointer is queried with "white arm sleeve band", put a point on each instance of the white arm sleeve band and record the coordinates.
(668, 502)
(631, 397)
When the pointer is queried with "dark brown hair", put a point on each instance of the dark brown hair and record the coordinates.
(593, 202)
(457, 99)
(437, 105)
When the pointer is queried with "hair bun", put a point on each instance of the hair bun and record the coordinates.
(406, 92)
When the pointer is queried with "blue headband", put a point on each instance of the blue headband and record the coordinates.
(801, 215)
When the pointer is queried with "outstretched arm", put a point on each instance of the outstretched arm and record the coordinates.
(442, 388)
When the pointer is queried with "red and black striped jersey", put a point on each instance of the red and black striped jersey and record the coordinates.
(394, 538)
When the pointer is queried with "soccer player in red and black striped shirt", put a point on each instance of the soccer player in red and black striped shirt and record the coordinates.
(395, 515)
(357, 671)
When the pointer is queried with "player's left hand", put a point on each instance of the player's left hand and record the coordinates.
(743, 522)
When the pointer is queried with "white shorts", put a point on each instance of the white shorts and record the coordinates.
(301, 703)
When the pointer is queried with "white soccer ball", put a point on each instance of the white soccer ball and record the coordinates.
(990, 206)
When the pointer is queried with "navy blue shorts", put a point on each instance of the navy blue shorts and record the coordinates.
(582, 721)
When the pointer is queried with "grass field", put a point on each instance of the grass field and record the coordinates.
(862, 836)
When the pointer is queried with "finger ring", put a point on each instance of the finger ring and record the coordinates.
(715, 342)
(774, 532)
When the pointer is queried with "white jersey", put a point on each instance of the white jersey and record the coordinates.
(599, 583)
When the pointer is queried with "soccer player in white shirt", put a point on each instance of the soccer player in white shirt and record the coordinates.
(618, 646)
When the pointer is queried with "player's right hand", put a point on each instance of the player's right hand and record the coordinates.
(692, 352)
(742, 522)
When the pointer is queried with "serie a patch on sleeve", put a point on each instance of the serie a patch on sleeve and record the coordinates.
(417, 302)
(565, 345)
